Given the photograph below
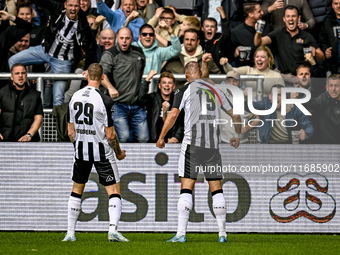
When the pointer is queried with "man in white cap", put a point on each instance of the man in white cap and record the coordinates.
(227, 130)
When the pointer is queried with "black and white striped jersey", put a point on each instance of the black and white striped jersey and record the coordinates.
(202, 103)
(63, 44)
(91, 111)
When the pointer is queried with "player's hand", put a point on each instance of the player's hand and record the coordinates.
(122, 155)
(302, 135)
(328, 52)
(235, 142)
(173, 140)
(1, 137)
(25, 138)
(113, 92)
(160, 143)
(245, 129)
(206, 57)
(223, 61)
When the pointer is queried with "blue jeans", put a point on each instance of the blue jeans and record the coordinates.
(130, 119)
(37, 55)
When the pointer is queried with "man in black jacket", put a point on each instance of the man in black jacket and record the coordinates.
(67, 35)
(158, 104)
(326, 112)
(330, 38)
(218, 44)
(243, 34)
(21, 110)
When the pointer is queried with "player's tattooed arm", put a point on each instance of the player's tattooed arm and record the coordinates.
(114, 143)
(71, 132)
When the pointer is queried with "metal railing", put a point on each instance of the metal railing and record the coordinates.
(48, 131)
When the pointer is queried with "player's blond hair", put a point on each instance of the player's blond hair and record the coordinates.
(95, 72)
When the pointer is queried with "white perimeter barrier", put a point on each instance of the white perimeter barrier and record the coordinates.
(268, 188)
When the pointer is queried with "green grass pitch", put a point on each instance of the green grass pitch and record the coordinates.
(155, 243)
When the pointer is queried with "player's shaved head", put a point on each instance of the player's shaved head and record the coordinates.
(192, 67)
(192, 71)
(95, 72)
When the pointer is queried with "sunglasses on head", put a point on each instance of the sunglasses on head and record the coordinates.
(146, 34)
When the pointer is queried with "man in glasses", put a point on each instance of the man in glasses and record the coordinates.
(165, 19)
(156, 55)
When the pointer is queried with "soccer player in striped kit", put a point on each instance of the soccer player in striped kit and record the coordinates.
(202, 103)
(90, 128)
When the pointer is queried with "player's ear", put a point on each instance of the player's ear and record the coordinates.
(102, 78)
(186, 75)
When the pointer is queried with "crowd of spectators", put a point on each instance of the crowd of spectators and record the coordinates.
(290, 43)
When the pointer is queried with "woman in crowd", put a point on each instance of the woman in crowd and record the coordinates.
(264, 62)
(146, 9)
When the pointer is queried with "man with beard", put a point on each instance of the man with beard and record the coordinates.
(191, 51)
(243, 34)
(329, 41)
(303, 75)
(21, 109)
(289, 42)
(66, 37)
(325, 110)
